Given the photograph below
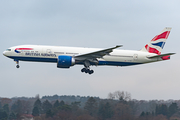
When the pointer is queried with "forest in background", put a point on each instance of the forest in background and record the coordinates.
(118, 106)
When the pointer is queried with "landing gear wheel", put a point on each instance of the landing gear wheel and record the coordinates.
(91, 72)
(17, 63)
(17, 66)
(83, 70)
(86, 70)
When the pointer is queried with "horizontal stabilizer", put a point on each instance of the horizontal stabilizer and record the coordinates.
(162, 55)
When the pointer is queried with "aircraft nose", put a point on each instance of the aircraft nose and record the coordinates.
(4, 53)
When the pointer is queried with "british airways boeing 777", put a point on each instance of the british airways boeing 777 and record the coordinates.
(65, 57)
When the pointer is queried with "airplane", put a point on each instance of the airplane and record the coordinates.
(66, 57)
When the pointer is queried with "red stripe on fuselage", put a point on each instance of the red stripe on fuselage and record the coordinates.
(164, 35)
(24, 49)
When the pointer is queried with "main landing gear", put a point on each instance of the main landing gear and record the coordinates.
(17, 62)
(86, 68)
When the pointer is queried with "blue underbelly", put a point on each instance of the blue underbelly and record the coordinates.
(54, 60)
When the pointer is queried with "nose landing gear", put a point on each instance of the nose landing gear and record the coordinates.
(17, 66)
(17, 62)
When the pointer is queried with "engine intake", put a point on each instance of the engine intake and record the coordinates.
(65, 61)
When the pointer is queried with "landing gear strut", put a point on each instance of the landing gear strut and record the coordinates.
(87, 68)
(17, 62)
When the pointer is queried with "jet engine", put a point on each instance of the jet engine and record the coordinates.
(65, 61)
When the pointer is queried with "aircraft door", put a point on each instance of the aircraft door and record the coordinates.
(48, 51)
(21, 52)
(135, 57)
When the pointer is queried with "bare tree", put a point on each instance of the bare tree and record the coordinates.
(120, 95)
(111, 96)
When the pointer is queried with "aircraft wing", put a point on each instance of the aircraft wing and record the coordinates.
(96, 54)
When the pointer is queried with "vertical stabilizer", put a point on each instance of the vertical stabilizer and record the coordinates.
(157, 43)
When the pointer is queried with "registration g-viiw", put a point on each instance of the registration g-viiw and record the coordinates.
(66, 57)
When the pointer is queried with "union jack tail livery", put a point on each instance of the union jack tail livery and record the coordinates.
(157, 43)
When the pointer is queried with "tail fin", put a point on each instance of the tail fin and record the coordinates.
(157, 43)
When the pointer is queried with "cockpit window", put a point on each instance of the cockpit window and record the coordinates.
(8, 49)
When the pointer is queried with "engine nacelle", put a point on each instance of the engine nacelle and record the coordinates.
(65, 61)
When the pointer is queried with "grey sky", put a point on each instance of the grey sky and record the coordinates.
(101, 24)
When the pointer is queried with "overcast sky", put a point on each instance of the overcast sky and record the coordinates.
(93, 23)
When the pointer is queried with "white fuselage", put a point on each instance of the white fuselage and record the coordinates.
(40, 53)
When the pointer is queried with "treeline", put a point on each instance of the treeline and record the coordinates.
(118, 106)
(162, 110)
(95, 109)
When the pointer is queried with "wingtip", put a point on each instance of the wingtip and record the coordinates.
(119, 46)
